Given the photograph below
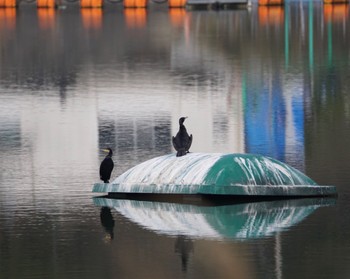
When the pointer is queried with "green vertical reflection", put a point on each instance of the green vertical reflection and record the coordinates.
(330, 43)
(311, 36)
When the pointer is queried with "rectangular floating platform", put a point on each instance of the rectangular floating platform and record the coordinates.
(237, 190)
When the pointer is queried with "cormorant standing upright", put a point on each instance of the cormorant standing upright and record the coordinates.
(106, 166)
(182, 141)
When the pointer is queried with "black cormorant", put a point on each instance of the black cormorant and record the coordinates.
(107, 166)
(182, 141)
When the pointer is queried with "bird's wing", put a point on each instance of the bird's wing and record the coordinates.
(176, 144)
(106, 168)
(189, 143)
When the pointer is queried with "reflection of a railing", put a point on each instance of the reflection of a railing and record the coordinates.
(237, 221)
(335, 13)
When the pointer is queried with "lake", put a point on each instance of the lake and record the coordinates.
(272, 81)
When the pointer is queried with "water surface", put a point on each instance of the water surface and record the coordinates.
(273, 81)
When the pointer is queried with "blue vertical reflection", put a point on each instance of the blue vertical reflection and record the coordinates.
(296, 136)
(274, 119)
(265, 119)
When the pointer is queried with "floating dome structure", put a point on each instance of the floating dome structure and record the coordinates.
(215, 174)
(235, 221)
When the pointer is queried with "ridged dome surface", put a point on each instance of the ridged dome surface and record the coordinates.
(215, 174)
(213, 169)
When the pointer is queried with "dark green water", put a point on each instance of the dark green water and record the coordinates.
(269, 81)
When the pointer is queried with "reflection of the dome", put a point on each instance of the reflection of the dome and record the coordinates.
(234, 221)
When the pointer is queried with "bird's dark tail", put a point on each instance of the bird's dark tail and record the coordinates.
(181, 153)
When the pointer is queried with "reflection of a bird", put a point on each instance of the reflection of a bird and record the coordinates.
(107, 221)
(182, 141)
(106, 166)
(184, 247)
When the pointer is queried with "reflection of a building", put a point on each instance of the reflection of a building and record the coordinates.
(132, 139)
(274, 119)
(60, 130)
(277, 100)
(215, 119)
(257, 112)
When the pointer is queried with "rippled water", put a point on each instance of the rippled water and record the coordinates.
(273, 81)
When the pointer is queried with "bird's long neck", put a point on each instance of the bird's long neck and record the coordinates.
(183, 128)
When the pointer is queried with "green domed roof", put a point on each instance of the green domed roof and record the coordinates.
(249, 169)
(215, 174)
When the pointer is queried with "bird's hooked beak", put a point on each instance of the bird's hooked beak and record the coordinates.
(182, 119)
(105, 150)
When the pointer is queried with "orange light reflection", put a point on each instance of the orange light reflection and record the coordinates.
(92, 18)
(177, 16)
(273, 15)
(177, 3)
(91, 3)
(335, 13)
(135, 3)
(8, 18)
(46, 3)
(335, 1)
(8, 3)
(46, 18)
(135, 18)
(270, 2)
